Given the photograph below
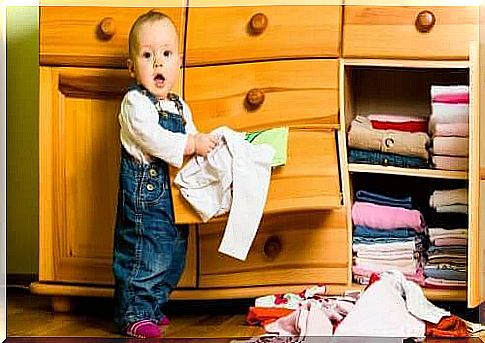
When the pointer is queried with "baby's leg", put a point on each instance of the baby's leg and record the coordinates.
(172, 276)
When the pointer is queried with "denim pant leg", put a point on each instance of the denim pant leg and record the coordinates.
(146, 244)
(174, 271)
(147, 271)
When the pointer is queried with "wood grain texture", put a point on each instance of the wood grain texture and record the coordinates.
(221, 34)
(303, 91)
(69, 290)
(390, 32)
(313, 249)
(476, 190)
(69, 35)
(308, 181)
(79, 168)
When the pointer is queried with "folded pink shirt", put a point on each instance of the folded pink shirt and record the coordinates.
(386, 217)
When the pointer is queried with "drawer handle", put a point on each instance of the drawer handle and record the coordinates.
(107, 28)
(254, 98)
(272, 247)
(425, 21)
(258, 23)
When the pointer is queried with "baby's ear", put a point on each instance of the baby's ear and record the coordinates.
(131, 67)
(180, 60)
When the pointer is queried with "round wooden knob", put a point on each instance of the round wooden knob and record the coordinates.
(258, 23)
(425, 21)
(255, 98)
(272, 247)
(107, 27)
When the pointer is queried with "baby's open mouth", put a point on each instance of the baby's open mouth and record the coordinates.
(159, 77)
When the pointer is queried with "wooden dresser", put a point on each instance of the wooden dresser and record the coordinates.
(248, 67)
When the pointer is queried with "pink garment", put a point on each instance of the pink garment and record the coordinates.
(404, 266)
(386, 248)
(442, 283)
(417, 276)
(458, 98)
(450, 146)
(450, 241)
(386, 217)
(448, 114)
(313, 318)
(396, 118)
(450, 162)
(448, 89)
(447, 130)
(382, 255)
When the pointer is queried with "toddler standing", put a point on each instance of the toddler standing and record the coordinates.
(156, 130)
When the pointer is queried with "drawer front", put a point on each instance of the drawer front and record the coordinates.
(309, 180)
(409, 32)
(288, 249)
(228, 34)
(262, 95)
(93, 36)
(78, 188)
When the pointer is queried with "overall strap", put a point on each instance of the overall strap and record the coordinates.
(171, 96)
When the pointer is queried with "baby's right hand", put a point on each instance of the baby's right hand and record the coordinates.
(205, 143)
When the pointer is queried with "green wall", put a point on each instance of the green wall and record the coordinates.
(22, 139)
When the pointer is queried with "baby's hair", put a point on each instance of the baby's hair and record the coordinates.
(149, 17)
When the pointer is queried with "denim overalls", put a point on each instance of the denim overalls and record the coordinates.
(149, 250)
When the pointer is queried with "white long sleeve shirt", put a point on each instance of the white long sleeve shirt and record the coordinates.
(142, 136)
(235, 176)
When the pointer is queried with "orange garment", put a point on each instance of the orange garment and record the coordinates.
(450, 326)
(266, 315)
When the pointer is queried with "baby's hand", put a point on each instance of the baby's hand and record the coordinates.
(205, 143)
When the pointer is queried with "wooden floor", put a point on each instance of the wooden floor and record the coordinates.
(31, 316)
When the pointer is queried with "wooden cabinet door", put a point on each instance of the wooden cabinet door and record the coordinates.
(79, 151)
(476, 230)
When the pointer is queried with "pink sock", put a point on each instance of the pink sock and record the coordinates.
(164, 320)
(143, 329)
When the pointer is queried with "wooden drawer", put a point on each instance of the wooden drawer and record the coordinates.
(392, 32)
(262, 95)
(309, 180)
(227, 34)
(73, 35)
(288, 249)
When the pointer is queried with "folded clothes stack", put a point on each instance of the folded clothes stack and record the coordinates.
(388, 234)
(448, 126)
(387, 139)
(446, 266)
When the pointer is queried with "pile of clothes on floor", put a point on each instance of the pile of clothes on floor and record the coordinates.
(390, 306)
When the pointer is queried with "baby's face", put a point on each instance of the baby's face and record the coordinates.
(156, 60)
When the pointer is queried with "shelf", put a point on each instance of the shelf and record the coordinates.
(430, 173)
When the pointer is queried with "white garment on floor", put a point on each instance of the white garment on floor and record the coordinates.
(233, 176)
(391, 307)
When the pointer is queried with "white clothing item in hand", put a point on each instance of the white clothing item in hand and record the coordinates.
(238, 167)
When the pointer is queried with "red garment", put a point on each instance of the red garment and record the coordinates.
(266, 315)
(451, 326)
(460, 98)
(408, 126)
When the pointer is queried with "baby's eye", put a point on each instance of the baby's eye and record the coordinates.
(167, 53)
(147, 54)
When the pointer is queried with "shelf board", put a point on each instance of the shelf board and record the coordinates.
(430, 173)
